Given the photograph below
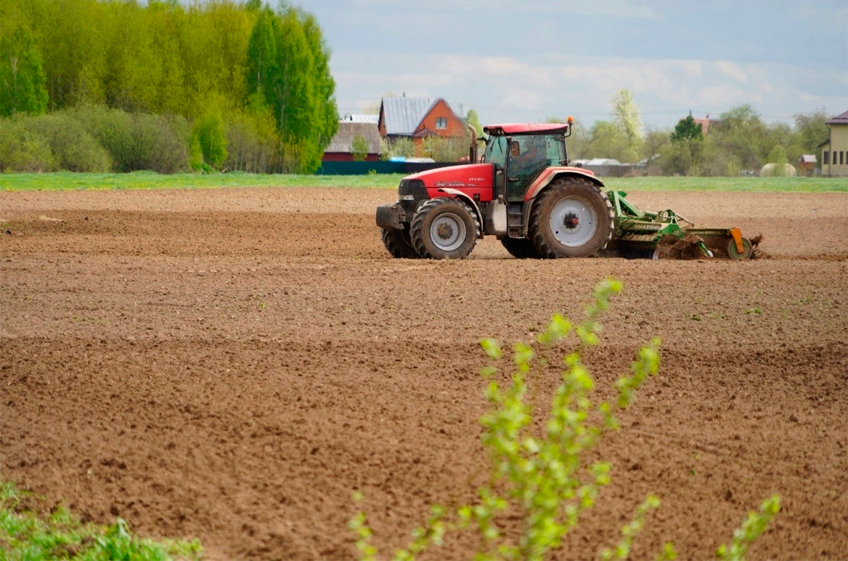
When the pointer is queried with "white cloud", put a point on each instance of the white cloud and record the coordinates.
(731, 69)
(508, 88)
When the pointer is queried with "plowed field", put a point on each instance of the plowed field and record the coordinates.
(231, 364)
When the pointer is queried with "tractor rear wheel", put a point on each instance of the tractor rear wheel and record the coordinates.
(444, 228)
(398, 243)
(520, 248)
(571, 218)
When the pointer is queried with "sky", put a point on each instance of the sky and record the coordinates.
(526, 61)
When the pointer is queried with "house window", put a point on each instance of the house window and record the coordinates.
(826, 158)
(441, 123)
(841, 158)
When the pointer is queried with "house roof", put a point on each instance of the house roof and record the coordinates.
(838, 120)
(347, 131)
(403, 114)
(360, 118)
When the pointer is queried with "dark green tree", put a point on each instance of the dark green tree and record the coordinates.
(262, 68)
(687, 129)
(22, 79)
(209, 133)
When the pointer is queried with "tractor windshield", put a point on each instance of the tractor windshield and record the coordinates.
(496, 151)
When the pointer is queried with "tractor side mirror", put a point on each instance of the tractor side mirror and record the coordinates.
(514, 148)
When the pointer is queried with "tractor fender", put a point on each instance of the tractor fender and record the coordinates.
(465, 198)
(545, 179)
(553, 173)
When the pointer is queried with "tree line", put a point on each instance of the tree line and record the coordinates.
(243, 87)
(738, 140)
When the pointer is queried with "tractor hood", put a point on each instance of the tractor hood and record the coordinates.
(472, 179)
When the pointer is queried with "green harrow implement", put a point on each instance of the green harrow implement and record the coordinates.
(649, 235)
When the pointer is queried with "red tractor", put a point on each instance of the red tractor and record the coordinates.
(525, 193)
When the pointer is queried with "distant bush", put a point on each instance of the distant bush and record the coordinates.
(73, 148)
(253, 144)
(21, 150)
(94, 139)
(162, 142)
(138, 141)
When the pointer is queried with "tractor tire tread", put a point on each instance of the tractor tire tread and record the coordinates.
(537, 228)
(397, 246)
(416, 230)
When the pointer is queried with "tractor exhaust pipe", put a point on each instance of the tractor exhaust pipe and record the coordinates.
(472, 153)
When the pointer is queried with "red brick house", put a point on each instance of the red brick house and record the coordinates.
(706, 122)
(418, 118)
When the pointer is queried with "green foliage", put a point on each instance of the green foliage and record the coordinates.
(94, 139)
(653, 144)
(626, 116)
(474, 120)
(443, 149)
(253, 143)
(73, 148)
(21, 150)
(288, 69)
(751, 529)
(687, 129)
(606, 140)
(683, 157)
(138, 141)
(778, 157)
(629, 530)
(397, 148)
(22, 78)
(543, 475)
(26, 536)
(541, 472)
(166, 58)
(209, 132)
(810, 132)
(359, 148)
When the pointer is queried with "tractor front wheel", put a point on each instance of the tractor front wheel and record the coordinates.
(397, 242)
(444, 228)
(571, 218)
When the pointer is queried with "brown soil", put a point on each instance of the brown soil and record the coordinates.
(231, 364)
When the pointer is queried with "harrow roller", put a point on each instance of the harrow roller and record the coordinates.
(665, 234)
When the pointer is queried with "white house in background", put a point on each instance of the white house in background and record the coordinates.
(835, 148)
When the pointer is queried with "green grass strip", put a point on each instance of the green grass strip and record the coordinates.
(29, 536)
(67, 181)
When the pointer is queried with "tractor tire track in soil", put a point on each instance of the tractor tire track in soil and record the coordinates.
(231, 364)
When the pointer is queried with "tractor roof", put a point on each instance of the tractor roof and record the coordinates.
(526, 128)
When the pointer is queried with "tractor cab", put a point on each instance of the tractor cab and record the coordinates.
(519, 157)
